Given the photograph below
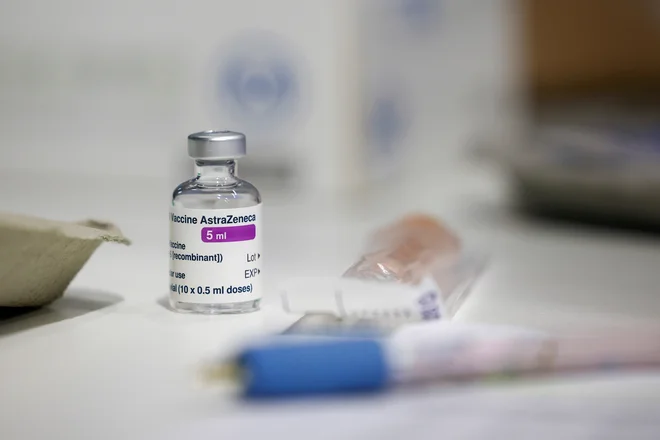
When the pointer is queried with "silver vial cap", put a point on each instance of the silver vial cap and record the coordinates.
(212, 144)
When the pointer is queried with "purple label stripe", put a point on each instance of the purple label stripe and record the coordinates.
(229, 233)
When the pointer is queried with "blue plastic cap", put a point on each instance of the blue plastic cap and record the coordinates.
(314, 367)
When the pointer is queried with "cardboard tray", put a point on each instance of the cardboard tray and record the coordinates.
(39, 257)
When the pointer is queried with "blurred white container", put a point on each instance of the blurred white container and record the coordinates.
(332, 94)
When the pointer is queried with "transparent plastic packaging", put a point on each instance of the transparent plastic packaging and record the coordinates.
(421, 251)
(415, 269)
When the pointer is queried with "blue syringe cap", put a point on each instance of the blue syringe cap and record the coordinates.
(314, 366)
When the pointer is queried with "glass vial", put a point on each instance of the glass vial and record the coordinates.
(215, 231)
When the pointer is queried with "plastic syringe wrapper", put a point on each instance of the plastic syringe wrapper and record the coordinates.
(415, 269)
(420, 251)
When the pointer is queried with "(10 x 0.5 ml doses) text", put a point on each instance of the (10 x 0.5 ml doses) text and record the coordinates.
(215, 231)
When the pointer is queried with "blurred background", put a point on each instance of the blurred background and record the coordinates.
(340, 96)
(555, 101)
(331, 94)
(344, 97)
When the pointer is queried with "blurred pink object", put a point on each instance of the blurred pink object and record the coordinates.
(420, 250)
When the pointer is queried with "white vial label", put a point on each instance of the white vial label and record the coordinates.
(215, 255)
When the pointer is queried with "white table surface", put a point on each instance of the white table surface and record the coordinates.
(110, 361)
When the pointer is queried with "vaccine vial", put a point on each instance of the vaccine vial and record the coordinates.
(215, 231)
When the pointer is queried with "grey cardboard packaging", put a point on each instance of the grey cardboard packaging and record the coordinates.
(39, 257)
